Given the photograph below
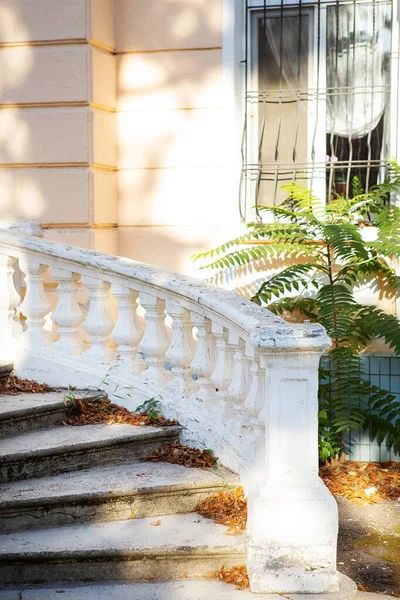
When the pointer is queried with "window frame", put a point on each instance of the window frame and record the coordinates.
(318, 106)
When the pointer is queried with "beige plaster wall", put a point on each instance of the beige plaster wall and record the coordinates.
(58, 147)
(171, 200)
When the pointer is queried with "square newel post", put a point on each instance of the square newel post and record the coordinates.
(293, 521)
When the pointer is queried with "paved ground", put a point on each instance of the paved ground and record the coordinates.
(367, 596)
(369, 546)
(178, 590)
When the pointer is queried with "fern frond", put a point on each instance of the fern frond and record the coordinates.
(246, 255)
(288, 280)
(346, 241)
(308, 307)
(247, 237)
(383, 420)
(343, 392)
(301, 197)
(388, 240)
(359, 272)
(337, 309)
(380, 324)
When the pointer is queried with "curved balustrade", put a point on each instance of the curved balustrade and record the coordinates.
(239, 379)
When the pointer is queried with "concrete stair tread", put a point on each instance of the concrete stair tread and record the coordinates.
(128, 478)
(177, 534)
(20, 404)
(179, 589)
(64, 439)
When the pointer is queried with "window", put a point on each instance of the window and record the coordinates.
(318, 97)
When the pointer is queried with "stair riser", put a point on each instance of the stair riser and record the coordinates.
(33, 422)
(95, 511)
(52, 464)
(122, 568)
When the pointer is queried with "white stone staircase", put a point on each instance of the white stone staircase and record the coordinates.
(75, 509)
(239, 380)
(76, 504)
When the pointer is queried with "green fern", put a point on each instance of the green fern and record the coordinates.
(333, 258)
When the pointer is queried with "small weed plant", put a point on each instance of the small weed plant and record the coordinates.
(329, 259)
(150, 408)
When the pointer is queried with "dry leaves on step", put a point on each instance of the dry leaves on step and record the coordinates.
(235, 576)
(100, 411)
(156, 523)
(12, 386)
(361, 482)
(228, 507)
(177, 454)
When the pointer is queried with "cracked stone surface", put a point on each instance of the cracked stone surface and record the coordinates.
(185, 533)
(17, 405)
(200, 589)
(112, 481)
(64, 439)
(110, 493)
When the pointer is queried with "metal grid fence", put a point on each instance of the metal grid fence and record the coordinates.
(384, 372)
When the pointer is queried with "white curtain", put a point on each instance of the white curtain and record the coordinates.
(358, 47)
(284, 34)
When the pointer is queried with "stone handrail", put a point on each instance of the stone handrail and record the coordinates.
(239, 380)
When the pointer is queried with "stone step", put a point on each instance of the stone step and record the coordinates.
(108, 493)
(63, 449)
(28, 412)
(178, 546)
(200, 589)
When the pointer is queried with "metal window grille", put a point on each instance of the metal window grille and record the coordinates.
(318, 98)
(382, 370)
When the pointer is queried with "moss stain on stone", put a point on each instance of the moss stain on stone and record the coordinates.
(384, 546)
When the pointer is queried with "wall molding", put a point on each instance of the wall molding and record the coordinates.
(59, 104)
(102, 107)
(30, 43)
(55, 165)
(104, 168)
(52, 165)
(122, 52)
(78, 226)
(101, 46)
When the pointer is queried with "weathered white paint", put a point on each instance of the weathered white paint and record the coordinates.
(263, 421)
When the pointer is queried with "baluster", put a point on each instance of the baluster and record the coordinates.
(252, 428)
(9, 300)
(239, 385)
(127, 332)
(223, 372)
(155, 341)
(204, 361)
(35, 305)
(255, 398)
(182, 349)
(99, 323)
(67, 315)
